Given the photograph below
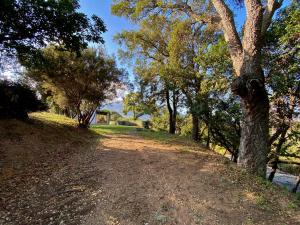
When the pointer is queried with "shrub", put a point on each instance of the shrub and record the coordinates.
(17, 100)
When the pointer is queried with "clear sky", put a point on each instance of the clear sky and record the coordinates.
(116, 24)
(113, 23)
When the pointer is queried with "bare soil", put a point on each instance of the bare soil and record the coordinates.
(128, 180)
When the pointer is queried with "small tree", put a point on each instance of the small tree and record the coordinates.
(133, 102)
(80, 84)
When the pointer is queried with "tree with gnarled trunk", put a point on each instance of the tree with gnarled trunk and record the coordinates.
(245, 53)
(249, 84)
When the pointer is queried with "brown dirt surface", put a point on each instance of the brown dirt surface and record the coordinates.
(124, 179)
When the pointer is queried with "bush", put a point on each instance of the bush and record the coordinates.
(115, 116)
(160, 121)
(146, 124)
(186, 125)
(17, 100)
(126, 123)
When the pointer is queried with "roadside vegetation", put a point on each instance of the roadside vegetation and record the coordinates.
(200, 77)
(49, 158)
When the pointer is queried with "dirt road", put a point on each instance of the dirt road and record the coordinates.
(127, 180)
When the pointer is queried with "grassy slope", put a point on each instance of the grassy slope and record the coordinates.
(44, 138)
(49, 140)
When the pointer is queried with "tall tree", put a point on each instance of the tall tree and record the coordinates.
(148, 48)
(245, 52)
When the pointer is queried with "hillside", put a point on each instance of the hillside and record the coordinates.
(118, 107)
(54, 173)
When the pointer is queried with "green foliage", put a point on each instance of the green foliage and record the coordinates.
(17, 100)
(172, 53)
(76, 83)
(282, 66)
(112, 129)
(133, 102)
(223, 117)
(29, 24)
(186, 126)
(157, 87)
(160, 121)
(115, 116)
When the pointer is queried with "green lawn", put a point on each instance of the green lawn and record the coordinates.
(113, 129)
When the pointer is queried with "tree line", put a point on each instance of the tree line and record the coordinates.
(241, 86)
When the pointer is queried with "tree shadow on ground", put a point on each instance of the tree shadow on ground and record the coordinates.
(57, 174)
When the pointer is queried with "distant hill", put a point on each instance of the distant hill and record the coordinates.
(118, 107)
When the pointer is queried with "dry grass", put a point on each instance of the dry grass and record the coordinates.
(54, 173)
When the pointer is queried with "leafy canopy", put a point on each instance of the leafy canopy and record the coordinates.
(26, 25)
(78, 83)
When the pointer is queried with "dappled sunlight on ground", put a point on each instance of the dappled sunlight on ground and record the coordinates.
(76, 177)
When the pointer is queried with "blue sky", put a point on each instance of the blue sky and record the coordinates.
(113, 23)
(116, 24)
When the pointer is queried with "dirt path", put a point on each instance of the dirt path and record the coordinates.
(126, 180)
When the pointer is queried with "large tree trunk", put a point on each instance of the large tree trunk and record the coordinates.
(246, 57)
(254, 143)
(195, 129)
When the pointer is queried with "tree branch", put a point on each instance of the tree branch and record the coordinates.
(271, 7)
(252, 36)
(184, 7)
(288, 162)
(230, 33)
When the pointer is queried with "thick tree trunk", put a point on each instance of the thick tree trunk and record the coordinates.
(195, 129)
(172, 125)
(246, 57)
(254, 143)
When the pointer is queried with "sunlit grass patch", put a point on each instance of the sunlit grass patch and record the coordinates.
(53, 118)
(112, 129)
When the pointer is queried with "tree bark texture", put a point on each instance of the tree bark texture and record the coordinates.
(246, 59)
(172, 114)
(254, 142)
(250, 84)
